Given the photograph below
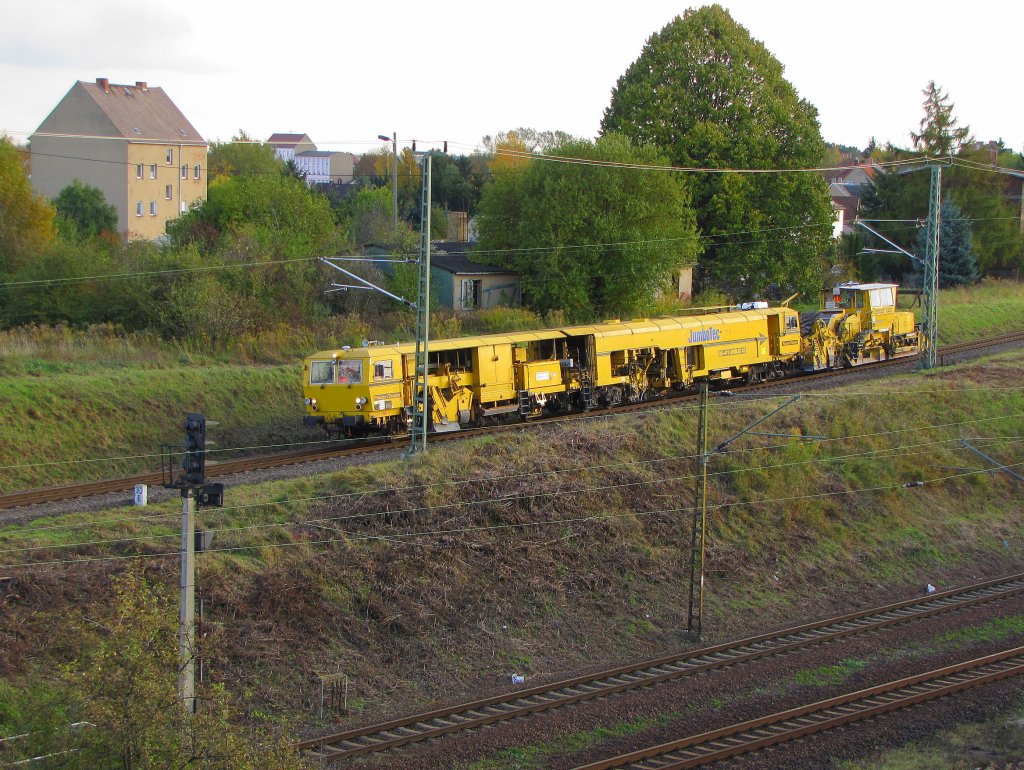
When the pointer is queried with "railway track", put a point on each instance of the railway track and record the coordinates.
(800, 722)
(475, 714)
(73, 491)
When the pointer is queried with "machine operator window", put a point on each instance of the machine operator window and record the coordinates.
(350, 372)
(792, 324)
(382, 370)
(321, 372)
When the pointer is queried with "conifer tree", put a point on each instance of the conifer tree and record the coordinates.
(940, 135)
(958, 265)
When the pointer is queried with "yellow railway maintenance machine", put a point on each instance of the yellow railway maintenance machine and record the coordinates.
(858, 323)
(478, 380)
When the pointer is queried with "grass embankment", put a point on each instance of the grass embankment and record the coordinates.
(558, 548)
(973, 312)
(67, 396)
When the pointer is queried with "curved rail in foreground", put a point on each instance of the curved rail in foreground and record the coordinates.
(468, 716)
(73, 491)
(757, 734)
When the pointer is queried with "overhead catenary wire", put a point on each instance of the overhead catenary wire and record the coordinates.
(872, 453)
(349, 536)
(736, 400)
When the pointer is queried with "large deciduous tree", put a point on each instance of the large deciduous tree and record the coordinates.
(589, 239)
(711, 97)
(26, 219)
(84, 212)
(242, 156)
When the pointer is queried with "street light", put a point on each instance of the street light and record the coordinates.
(394, 176)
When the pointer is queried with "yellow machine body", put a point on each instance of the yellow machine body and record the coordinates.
(474, 380)
(858, 323)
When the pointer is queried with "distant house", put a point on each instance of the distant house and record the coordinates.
(319, 166)
(465, 285)
(132, 143)
(847, 183)
(287, 146)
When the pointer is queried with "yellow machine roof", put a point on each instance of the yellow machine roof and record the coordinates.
(608, 329)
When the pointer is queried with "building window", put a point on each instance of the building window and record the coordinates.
(196, 171)
(184, 171)
(152, 208)
(170, 157)
(138, 209)
(169, 192)
(138, 171)
(184, 206)
(152, 170)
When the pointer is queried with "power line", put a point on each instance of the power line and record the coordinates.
(740, 398)
(348, 536)
(872, 453)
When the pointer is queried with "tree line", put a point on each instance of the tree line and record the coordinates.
(595, 227)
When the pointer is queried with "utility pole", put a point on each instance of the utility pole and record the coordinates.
(394, 181)
(187, 614)
(700, 507)
(421, 361)
(930, 322)
(700, 520)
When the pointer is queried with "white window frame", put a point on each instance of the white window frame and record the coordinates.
(197, 171)
(184, 170)
(139, 170)
(152, 170)
(152, 208)
(138, 209)
(168, 192)
(170, 156)
(322, 369)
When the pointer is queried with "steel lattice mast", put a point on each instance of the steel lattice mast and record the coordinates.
(930, 322)
(420, 392)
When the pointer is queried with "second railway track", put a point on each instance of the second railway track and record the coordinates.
(796, 723)
(241, 465)
(468, 716)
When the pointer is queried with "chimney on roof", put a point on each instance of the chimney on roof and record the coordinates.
(142, 84)
(104, 83)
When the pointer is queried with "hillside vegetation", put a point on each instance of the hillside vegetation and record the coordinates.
(554, 548)
(68, 398)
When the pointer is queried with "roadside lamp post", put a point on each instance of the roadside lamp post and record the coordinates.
(394, 175)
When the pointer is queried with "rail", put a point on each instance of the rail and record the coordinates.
(467, 716)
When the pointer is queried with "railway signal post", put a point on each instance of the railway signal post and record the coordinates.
(192, 483)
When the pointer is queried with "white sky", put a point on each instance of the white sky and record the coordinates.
(344, 72)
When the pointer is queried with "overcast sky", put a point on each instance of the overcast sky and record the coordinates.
(456, 70)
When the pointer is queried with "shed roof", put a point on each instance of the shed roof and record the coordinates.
(452, 256)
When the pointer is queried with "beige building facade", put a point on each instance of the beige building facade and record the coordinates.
(132, 143)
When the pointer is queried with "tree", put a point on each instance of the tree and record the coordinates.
(940, 136)
(121, 707)
(897, 198)
(83, 211)
(26, 219)
(593, 240)
(957, 263)
(286, 216)
(709, 96)
(530, 139)
(243, 155)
